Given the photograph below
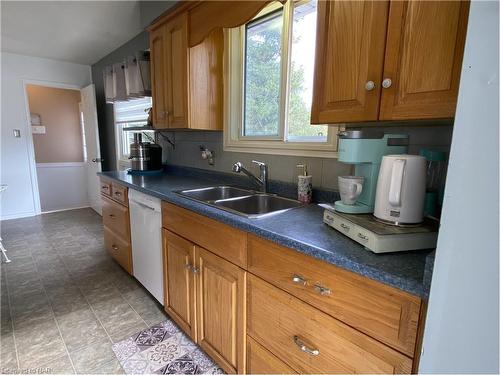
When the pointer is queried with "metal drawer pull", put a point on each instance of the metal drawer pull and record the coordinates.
(346, 227)
(111, 216)
(189, 267)
(324, 291)
(118, 193)
(362, 236)
(114, 247)
(303, 347)
(299, 279)
(104, 187)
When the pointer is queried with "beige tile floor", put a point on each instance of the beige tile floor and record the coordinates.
(64, 301)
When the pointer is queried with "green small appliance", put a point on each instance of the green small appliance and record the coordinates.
(365, 149)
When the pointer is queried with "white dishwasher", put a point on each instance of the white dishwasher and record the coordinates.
(145, 225)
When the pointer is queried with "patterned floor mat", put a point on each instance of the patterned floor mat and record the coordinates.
(163, 349)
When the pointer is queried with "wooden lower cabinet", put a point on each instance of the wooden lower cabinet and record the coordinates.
(221, 310)
(205, 296)
(311, 341)
(262, 361)
(256, 307)
(119, 249)
(178, 258)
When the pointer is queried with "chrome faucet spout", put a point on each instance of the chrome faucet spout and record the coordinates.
(262, 182)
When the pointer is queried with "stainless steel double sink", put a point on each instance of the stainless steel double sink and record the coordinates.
(250, 204)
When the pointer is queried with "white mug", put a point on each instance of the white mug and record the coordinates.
(350, 188)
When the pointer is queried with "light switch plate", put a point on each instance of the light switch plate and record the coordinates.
(38, 129)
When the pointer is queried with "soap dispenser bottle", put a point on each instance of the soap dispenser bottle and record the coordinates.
(304, 186)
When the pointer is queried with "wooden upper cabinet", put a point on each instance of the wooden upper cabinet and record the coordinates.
(349, 55)
(411, 50)
(187, 81)
(158, 77)
(177, 71)
(221, 310)
(178, 258)
(423, 59)
(205, 82)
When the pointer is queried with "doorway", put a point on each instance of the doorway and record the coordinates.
(60, 146)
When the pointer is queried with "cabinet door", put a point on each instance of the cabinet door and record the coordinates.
(349, 56)
(423, 59)
(177, 70)
(178, 259)
(221, 310)
(205, 83)
(159, 77)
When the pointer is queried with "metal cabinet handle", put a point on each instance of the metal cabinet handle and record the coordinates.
(192, 268)
(114, 247)
(323, 290)
(362, 236)
(118, 193)
(346, 227)
(104, 187)
(369, 86)
(112, 216)
(386, 83)
(297, 279)
(303, 347)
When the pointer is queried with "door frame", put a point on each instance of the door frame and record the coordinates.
(29, 135)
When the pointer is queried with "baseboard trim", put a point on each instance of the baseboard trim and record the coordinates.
(64, 209)
(17, 216)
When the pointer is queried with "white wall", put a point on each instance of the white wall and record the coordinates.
(462, 331)
(62, 186)
(19, 200)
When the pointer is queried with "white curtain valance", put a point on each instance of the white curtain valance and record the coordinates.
(128, 79)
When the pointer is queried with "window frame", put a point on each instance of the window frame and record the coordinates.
(122, 159)
(234, 96)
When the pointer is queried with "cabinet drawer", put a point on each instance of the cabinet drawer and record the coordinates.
(311, 341)
(227, 242)
(120, 250)
(378, 310)
(116, 217)
(119, 193)
(106, 188)
(262, 361)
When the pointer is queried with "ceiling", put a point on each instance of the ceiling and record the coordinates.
(76, 31)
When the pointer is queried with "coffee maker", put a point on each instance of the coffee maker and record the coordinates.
(365, 149)
(144, 156)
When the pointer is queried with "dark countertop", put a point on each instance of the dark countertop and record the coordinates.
(301, 229)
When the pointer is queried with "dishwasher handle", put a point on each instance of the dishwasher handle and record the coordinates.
(143, 205)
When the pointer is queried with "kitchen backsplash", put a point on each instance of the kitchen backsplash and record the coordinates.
(283, 168)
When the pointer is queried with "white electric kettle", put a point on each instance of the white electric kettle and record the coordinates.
(401, 189)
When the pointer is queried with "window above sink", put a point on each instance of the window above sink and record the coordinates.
(270, 66)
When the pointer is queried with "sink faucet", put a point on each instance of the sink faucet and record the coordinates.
(262, 182)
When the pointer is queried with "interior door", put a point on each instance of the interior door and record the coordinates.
(221, 310)
(423, 59)
(349, 58)
(178, 259)
(89, 110)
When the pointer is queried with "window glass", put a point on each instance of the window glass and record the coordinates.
(301, 76)
(263, 41)
(131, 113)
